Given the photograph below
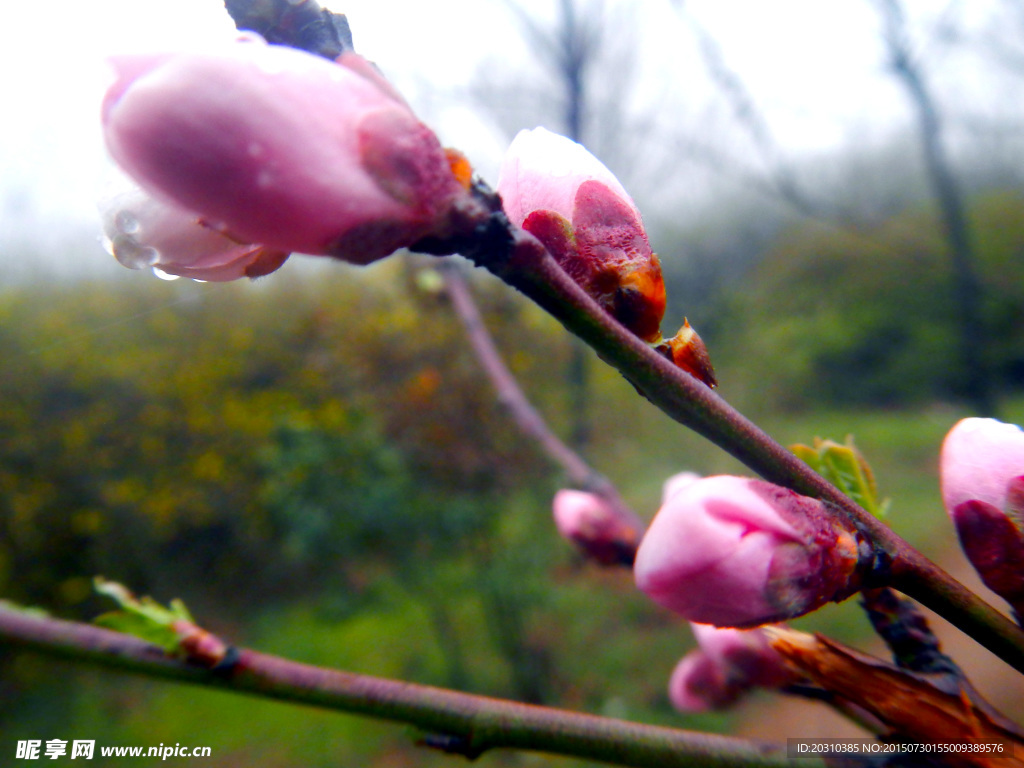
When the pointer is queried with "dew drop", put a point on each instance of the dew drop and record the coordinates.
(269, 67)
(133, 255)
(126, 222)
(255, 149)
(108, 245)
(164, 275)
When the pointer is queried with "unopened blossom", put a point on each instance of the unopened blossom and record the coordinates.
(676, 483)
(980, 458)
(982, 479)
(556, 190)
(279, 147)
(726, 664)
(595, 527)
(698, 683)
(144, 232)
(737, 552)
(565, 197)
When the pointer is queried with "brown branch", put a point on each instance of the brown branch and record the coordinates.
(911, 706)
(904, 628)
(459, 722)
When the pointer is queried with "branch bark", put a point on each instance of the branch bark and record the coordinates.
(457, 722)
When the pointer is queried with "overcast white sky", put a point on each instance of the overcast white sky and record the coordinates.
(814, 65)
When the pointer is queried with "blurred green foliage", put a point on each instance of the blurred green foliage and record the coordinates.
(864, 315)
(206, 431)
(317, 466)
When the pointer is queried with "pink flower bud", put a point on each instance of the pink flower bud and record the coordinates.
(280, 147)
(544, 171)
(982, 477)
(676, 483)
(746, 653)
(995, 546)
(589, 522)
(698, 683)
(727, 664)
(556, 190)
(980, 457)
(144, 232)
(737, 552)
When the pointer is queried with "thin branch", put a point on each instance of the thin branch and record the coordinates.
(512, 397)
(458, 722)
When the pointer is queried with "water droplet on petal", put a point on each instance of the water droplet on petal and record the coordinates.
(255, 149)
(164, 275)
(108, 244)
(197, 280)
(130, 253)
(270, 67)
(126, 222)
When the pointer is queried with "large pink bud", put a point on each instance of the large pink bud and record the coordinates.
(736, 552)
(727, 664)
(676, 483)
(144, 232)
(557, 191)
(279, 147)
(982, 478)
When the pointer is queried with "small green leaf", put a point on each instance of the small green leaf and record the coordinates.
(845, 467)
(144, 618)
(808, 456)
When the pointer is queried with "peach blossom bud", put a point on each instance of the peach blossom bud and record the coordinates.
(736, 552)
(727, 664)
(995, 547)
(676, 483)
(687, 350)
(982, 479)
(746, 653)
(698, 683)
(556, 190)
(143, 232)
(979, 459)
(589, 522)
(276, 146)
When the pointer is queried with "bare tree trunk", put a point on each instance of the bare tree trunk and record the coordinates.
(972, 339)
